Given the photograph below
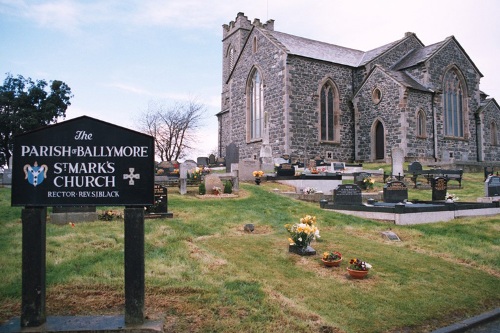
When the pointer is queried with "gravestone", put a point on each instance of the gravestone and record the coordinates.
(202, 161)
(232, 155)
(212, 181)
(211, 160)
(285, 169)
(347, 194)
(390, 235)
(160, 207)
(415, 166)
(183, 172)
(398, 158)
(395, 191)
(439, 188)
(492, 186)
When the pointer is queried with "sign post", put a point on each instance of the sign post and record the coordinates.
(81, 162)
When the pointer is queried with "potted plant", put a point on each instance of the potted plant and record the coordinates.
(257, 174)
(358, 269)
(332, 258)
(216, 190)
(368, 182)
(302, 234)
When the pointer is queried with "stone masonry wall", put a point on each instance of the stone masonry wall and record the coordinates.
(306, 78)
(489, 114)
(388, 111)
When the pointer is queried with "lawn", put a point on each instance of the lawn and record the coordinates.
(205, 274)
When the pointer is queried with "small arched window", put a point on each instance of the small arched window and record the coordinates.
(494, 133)
(453, 105)
(231, 54)
(421, 126)
(255, 105)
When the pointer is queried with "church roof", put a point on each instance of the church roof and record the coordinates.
(317, 50)
(418, 56)
(406, 80)
(485, 103)
(372, 54)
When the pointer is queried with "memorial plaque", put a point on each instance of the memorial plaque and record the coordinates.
(439, 188)
(83, 162)
(347, 194)
(395, 191)
(492, 186)
(415, 166)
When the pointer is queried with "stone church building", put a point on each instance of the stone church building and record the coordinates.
(284, 94)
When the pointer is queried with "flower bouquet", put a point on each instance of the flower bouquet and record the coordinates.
(302, 234)
(257, 174)
(332, 258)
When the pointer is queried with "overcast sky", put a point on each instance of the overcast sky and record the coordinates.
(118, 55)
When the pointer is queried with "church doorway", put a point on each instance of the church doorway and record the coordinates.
(379, 141)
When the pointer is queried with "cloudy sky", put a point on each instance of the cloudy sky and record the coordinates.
(118, 55)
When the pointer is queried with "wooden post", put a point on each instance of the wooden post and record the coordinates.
(134, 265)
(33, 266)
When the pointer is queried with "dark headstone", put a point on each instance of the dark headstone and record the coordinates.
(202, 161)
(493, 186)
(285, 169)
(390, 235)
(211, 159)
(439, 188)
(160, 207)
(415, 166)
(232, 155)
(347, 194)
(395, 191)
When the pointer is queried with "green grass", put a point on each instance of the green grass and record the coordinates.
(203, 273)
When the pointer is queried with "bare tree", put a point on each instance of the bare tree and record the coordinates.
(173, 127)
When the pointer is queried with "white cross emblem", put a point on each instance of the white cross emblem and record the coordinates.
(131, 176)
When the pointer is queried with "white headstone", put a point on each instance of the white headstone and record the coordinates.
(398, 158)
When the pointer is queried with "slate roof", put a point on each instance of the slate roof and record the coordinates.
(418, 56)
(406, 80)
(316, 50)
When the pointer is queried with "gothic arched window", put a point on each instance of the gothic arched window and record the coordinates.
(453, 105)
(329, 113)
(255, 106)
(421, 130)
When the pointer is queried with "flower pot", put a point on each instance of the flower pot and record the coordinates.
(257, 180)
(334, 263)
(356, 274)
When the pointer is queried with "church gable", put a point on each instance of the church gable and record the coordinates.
(489, 116)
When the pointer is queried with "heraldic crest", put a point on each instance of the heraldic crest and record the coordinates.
(35, 174)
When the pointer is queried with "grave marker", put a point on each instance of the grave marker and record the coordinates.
(347, 194)
(395, 191)
(398, 158)
(232, 155)
(439, 188)
(492, 186)
(285, 169)
(160, 207)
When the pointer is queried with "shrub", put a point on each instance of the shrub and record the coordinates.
(228, 187)
(202, 190)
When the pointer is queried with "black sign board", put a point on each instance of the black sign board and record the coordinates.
(493, 186)
(347, 194)
(439, 188)
(395, 191)
(81, 162)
